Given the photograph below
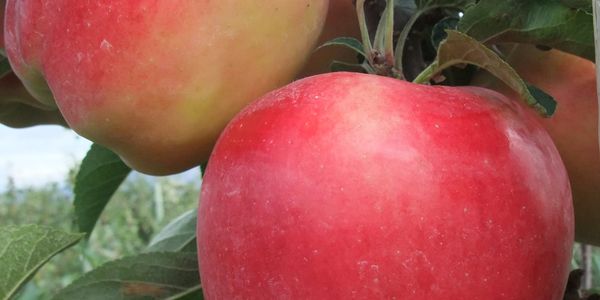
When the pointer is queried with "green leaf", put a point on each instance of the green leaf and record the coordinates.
(100, 174)
(439, 34)
(24, 249)
(339, 66)
(544, 99)
(5, 68)
(178, 235)
(348, 42)
(544, 22)
(168, 275)
(459, 48)
(432, 4)
(203, 168)
(422, 8)
(22, 114)
(583, 4)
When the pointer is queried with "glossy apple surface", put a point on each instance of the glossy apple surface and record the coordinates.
(156, 81)
(571, 80)
(351, 186)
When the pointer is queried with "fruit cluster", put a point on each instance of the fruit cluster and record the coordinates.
(337, 185)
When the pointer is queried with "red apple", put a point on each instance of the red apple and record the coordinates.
(156, 81)
(352, 186)
(17, 107)
(341, 22)
(574, 126)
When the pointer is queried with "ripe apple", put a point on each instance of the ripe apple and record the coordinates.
(574, 126)
(341, 22)
(353, 186)
(17, 107)
(156, 81)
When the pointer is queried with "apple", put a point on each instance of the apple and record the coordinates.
(354, 186)
(341, 21)
(17, 107)
(157, 81)
(571, 80)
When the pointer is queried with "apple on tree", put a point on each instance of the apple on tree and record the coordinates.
(353, 186)
(17, 107)
(156, 81)
(574, 127)
(571, 80)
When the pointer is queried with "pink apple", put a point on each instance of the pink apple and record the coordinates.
(156, 81)
(351, 186)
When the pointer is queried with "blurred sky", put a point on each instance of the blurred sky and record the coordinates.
(40, 154)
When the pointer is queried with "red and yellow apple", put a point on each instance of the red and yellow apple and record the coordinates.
(341, 22)
(571, 80)
(156, 81)
(17, 107)
(353, 186)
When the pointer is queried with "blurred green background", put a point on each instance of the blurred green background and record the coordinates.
(138, 210)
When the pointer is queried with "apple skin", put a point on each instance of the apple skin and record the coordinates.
(353, 186)
(571, 80)
(18, 108)
(157, 81)
(341, 22)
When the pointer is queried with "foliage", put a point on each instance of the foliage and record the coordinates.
(162, 275)
(138, 210)
(25, 249)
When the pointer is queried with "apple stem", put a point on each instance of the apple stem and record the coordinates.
(364, 30)
(399, 52)
(596, 18)
(427, 74)
(380, 54)
(384, 38)
(586, 258)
